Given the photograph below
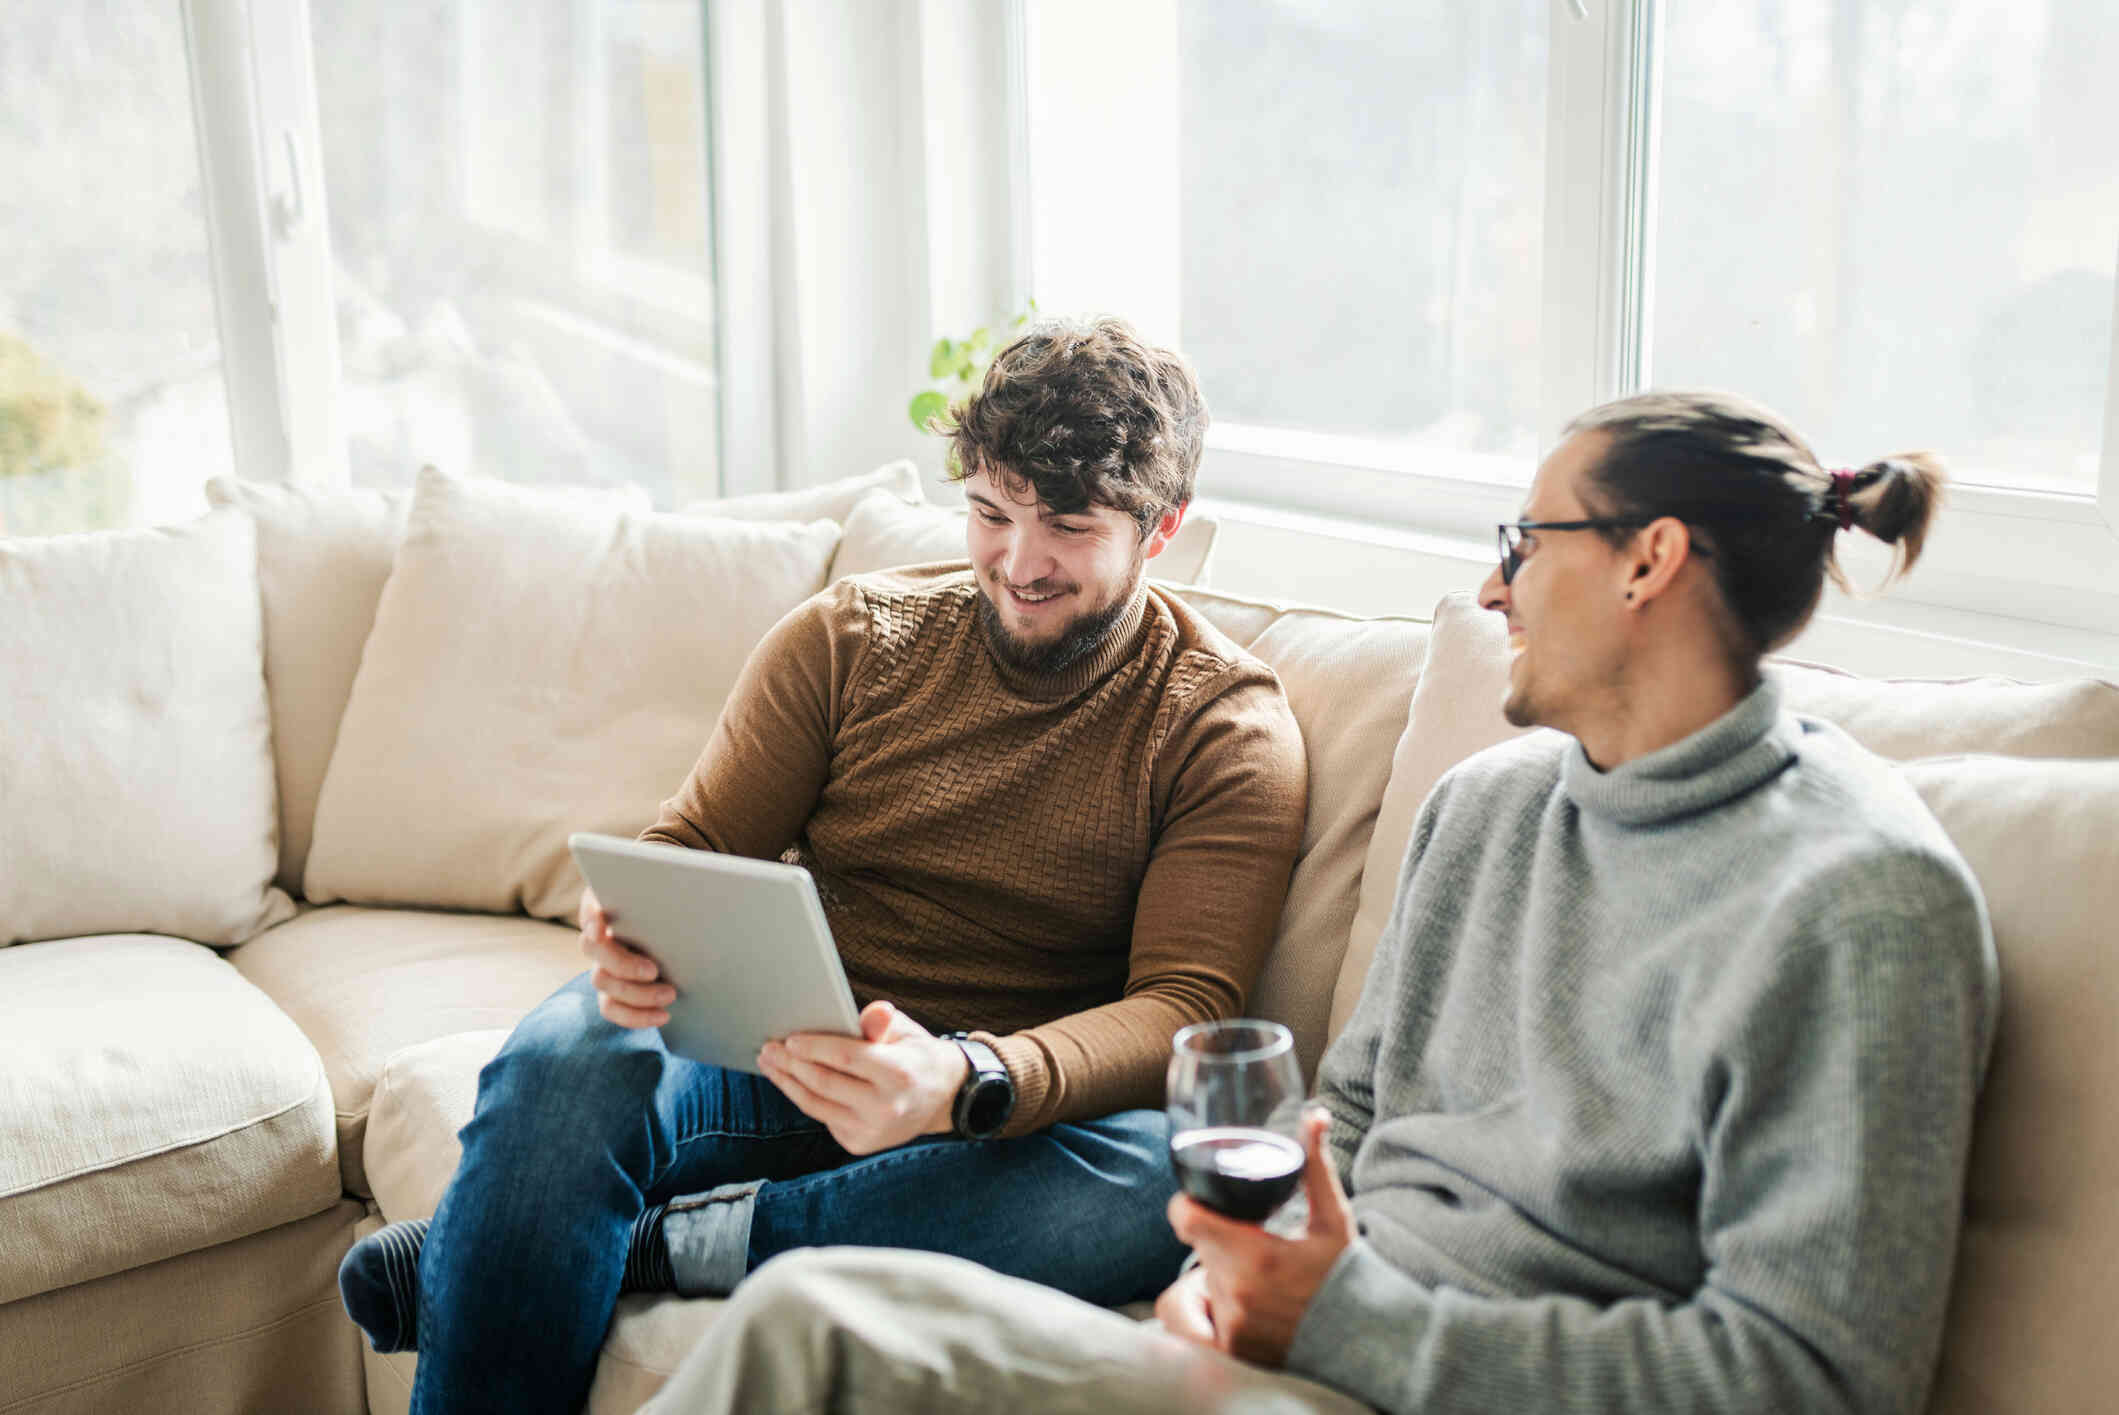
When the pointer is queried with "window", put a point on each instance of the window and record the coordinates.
(1386, 179)
(1404, 242)
(1919, 246)
(522, 257)
(112, 406)
(512, 274)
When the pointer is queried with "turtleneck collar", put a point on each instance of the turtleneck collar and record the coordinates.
(1119, 645)
(1744, 747)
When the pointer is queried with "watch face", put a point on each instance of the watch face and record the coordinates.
(991, 1101)
(988, 1097)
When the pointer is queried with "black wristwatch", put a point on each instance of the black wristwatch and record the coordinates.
(987, 1098)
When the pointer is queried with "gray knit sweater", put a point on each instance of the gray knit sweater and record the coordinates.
(1659, 1092)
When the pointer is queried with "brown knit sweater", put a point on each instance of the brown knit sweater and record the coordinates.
(1073, 866)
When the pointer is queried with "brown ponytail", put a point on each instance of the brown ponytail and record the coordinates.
(1895, 500)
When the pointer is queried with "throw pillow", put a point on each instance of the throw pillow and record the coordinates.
(136, 772)
(1903, 718)
(322, 559)
(323, 556)
(537, 668)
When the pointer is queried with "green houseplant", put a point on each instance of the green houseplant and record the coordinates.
(954, 369)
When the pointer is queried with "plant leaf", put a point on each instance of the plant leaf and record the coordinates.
(926, 408)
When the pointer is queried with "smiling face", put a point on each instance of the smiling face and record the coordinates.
(1566, 628)
(1052, 586)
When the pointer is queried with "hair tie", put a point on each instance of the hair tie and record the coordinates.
(1842, 483)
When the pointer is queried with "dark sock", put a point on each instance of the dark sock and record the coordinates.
(379, 1283)
(647, 1257)
(379, 1279)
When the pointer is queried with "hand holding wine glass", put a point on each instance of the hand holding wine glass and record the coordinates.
(1252, 1287)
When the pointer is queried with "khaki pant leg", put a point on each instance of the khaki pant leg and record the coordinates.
(879, 1330)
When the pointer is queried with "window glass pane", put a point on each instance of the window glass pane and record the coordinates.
(1361, 209)
(112, 407)
(519, 223)
(1898, 224)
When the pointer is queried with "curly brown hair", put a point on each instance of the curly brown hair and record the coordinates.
(1082, 414)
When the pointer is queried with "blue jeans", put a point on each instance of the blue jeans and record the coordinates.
(581, 1124)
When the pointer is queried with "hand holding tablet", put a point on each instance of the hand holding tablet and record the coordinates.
(743, 942)
(630, 988)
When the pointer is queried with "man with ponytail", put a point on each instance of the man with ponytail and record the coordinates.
(1659, 1091)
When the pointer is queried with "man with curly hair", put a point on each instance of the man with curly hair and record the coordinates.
(1051, 813)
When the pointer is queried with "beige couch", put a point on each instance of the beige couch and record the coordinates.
(283, 796)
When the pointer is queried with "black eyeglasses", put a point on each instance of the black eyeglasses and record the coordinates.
(1511, 534)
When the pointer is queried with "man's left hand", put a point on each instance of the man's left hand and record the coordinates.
(1259, 1285)
(893, 1083)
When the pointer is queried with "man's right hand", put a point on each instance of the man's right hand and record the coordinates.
(629, 986)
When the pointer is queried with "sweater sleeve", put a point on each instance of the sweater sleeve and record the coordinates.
(767, 759)
(1208, 907)
(1835, 1098)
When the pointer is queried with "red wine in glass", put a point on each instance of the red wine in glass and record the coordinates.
(1235, 1106)
(1235, 1170)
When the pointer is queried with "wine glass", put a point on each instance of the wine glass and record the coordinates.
(1235, 1103)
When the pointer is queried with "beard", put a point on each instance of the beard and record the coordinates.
(1083, 636)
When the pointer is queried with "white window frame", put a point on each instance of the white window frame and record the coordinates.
(1999, 559)
(253, 94)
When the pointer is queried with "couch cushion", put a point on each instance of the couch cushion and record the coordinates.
(1457, 711)
(2031, 1309)
(152, 1102)
(363, 983)
(882, 533)
(537, 669)
(1349, 681)
(832, 501)
(423, 1096)
(136, 776)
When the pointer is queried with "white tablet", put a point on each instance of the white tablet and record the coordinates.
(744, 941)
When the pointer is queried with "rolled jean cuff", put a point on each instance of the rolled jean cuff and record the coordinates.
(708, 1236)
